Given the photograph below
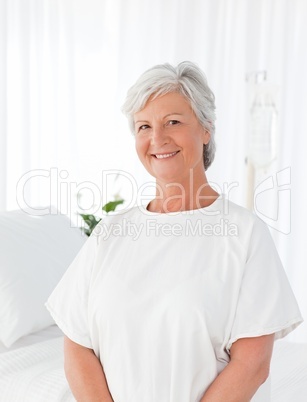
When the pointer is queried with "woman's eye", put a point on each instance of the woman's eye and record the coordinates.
(173, 122)
(143, 127)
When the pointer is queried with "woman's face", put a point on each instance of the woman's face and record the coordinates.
(170, 139)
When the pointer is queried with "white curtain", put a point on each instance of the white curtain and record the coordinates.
(66, 66)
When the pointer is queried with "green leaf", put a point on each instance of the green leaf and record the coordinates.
(91, 220)
(111, 205)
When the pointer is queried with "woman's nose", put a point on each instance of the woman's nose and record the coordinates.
(159, 136)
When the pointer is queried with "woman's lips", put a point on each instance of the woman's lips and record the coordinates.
(164, 156)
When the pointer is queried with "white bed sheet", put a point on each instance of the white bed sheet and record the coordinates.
(34, 372)
(48, 333)
(289, 372)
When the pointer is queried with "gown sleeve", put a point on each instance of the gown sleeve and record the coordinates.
(68, 303)
(266, 303)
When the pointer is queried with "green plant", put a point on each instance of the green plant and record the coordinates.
(91, 220)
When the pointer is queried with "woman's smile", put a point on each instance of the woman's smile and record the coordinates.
(166, 155)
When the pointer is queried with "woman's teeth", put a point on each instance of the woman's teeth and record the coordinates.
(165, 155)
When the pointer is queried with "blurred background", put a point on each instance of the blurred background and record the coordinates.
(65, 68)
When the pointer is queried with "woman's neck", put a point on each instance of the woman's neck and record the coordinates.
(183, 196)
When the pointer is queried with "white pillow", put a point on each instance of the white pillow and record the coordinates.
(35, 251)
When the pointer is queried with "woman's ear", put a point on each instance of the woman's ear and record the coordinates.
(206, 136)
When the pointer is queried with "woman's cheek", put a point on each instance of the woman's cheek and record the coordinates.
(140, 147)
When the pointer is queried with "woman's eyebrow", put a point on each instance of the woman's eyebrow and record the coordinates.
(167, 115)
(173, 114)
(141, 121)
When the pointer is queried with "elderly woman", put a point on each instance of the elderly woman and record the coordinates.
(187, 312)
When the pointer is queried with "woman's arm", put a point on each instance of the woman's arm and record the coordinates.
(248, 368)
(85, 374)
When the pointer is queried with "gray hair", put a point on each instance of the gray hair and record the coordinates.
(186, 79)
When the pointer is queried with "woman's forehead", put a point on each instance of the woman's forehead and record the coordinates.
(170, 103)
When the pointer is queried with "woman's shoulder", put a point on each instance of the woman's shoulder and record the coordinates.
(239, 213)
(247, 222)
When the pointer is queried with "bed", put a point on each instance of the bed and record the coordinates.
(35, 252)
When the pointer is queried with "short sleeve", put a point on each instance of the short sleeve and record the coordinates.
(266, 303)
(68, 303)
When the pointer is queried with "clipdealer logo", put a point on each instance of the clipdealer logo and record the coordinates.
(60, 194)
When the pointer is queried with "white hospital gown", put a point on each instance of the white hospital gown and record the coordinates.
(160, 298)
